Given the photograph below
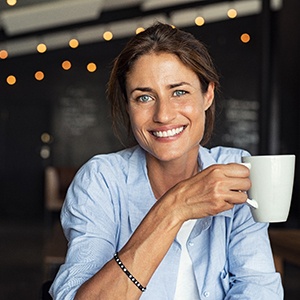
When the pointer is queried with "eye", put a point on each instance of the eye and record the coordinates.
(144, 98)
(179, 93)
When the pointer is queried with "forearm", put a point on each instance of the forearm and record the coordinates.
(141, 255)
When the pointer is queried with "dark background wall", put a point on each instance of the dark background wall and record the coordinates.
(288, 85)
(71, 105)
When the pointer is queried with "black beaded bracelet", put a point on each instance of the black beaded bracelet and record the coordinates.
(130, 276)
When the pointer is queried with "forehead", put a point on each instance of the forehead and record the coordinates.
(158, 66)
(155, 57)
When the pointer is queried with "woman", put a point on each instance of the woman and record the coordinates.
(165, 219)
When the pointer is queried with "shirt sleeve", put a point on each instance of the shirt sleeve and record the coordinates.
(251, 266)
(88, 220)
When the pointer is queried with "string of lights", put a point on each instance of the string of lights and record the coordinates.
(195, 17)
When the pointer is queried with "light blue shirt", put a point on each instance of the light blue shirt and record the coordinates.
(109, 197)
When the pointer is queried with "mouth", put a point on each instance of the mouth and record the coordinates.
(168, 133)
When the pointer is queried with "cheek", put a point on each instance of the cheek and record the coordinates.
(195, 112)
(137, 118)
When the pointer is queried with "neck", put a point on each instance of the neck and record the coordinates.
(164, 175)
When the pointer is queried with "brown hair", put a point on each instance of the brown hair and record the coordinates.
(160, 38)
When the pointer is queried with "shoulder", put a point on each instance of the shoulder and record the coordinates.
(111, 172)
(104, 176)
(112, 163)
(224, 154)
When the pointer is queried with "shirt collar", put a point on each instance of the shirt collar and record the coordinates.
(139, 192)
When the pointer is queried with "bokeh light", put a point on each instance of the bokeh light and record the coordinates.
(11, 2)
(245, 38)
(11, 79)
(139, 30)
(91, 67)
(108, 35)
(41, 48)
(39, 75)
(73, 43)
(3, 54)
(199, 21)
(232, 13)
(46, 138)
(66, 65)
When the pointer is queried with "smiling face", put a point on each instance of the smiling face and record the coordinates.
(166, 106)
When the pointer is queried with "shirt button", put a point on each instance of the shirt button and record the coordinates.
(191, 243)
(206, 294)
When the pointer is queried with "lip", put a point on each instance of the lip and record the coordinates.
(167, 133)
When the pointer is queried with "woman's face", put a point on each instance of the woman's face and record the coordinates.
(166, 106)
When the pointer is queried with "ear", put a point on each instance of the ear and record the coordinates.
(209, 96)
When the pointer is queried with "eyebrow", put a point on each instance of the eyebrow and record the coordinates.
(171, 86)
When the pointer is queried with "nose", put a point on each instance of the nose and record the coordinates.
(164, 111)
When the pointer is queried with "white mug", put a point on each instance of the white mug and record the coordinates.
(272, 179)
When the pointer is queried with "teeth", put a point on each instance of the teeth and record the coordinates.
(168, 133)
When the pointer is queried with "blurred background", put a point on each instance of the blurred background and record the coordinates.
(55, 58)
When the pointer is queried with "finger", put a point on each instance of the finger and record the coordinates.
(240, 184)
(237, 170)
(232, 176)
(237, 197)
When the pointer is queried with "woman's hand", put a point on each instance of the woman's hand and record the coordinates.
(213, 190)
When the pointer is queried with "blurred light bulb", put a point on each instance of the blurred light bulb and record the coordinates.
(39, 75)
(46, 138)
(11, 79)
(3, 54)
(41, 48)
(66, 65)
(232, 13)
(11, 2)
(199, 21)
(245, 38)
(45, 152)
(73, 43)
(108, 35)
(91, 67)
(139, 30)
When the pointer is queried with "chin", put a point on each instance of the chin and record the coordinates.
(166, 156)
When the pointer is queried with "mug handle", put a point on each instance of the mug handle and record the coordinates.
(251, 202)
